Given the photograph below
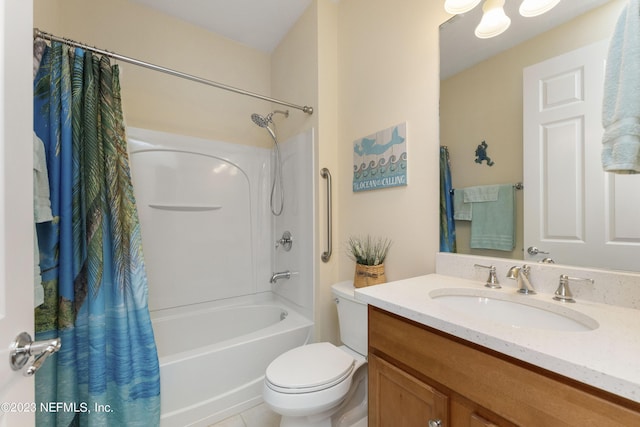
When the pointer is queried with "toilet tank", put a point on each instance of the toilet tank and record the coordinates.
(352, 317)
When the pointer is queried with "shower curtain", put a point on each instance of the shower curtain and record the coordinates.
(447, 224)
(107, 372)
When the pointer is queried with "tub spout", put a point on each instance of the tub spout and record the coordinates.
(281, 275)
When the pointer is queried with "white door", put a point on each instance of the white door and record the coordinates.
(573, 210)
(16, 204)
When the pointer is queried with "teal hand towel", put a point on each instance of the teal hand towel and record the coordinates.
(481, 193)
(461, 210)
(493, 223)
(620, 107)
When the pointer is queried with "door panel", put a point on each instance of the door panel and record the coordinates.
(562, 205)
(621, 217)
(573, 210)
(16, 205)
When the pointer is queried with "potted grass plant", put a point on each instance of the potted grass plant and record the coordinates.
(369, 254)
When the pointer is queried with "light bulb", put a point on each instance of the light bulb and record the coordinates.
(494, 21)
(531, 8)
(455, 7)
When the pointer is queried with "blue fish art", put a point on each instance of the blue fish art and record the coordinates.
(384, 155)
(369, 147)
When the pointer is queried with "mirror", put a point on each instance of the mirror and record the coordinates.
(481, 92)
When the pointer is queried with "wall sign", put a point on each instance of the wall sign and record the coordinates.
(380, 159)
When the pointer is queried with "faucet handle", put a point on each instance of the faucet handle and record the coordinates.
(286, 241)
(563, 293)
(492, 280)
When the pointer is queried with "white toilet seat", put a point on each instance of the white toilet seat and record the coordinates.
(317, 396)
(309, 368)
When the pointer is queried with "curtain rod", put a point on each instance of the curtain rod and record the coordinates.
(51, 37)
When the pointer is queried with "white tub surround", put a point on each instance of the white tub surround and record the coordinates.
(208, 239)
(605, 358)
(298, 217)
(203, 209)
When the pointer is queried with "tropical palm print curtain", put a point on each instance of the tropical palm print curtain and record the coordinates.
(106, 373)
(447, 223)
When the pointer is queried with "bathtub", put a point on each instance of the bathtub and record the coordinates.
(213, 356)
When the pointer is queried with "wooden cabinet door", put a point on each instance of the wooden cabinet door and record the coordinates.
(397, 399)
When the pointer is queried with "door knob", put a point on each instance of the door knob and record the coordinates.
(435, 423)
(535, 251)
(24, 347)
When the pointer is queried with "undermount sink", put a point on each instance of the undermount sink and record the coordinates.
(517, 311)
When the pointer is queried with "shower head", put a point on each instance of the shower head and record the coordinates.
(263, 121)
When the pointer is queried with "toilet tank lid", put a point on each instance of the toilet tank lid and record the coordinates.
(344, 290)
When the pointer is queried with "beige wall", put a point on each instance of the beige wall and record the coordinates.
(485, 103)
(388, 74)
(159, 101)
(304, 67)
(364, 65)
(294, 73)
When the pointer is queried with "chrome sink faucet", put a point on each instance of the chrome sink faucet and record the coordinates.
(521, 274)
(281, 275)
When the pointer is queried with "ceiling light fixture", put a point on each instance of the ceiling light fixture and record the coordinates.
(531, 8)
(459, 6)
(494, 21)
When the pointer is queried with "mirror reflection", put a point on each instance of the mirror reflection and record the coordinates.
(481, 98)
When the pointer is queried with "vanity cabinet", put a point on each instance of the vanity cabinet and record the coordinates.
(418, 375)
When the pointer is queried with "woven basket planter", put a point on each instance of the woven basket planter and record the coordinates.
(368, 275)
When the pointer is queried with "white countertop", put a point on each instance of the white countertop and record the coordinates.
(607, 357)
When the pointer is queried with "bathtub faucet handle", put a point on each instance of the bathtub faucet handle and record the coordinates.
(286, 241)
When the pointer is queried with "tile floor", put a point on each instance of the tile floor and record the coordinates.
(258, 416)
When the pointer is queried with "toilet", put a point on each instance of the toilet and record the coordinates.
(320, 384)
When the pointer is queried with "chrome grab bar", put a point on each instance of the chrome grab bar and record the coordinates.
(326, 256)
